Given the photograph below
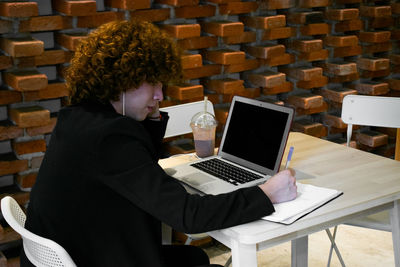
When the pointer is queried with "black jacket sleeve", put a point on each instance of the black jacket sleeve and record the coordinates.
(126, 166)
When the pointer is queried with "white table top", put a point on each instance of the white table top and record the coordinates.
(367, 180)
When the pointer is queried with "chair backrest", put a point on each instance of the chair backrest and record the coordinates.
(40, 251)
(180, 116)
(372, 111)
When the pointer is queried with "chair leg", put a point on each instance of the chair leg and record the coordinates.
(228, 262)
(334, 247)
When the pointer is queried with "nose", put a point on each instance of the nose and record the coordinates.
(158, 93)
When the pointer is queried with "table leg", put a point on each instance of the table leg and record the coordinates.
(395, 223)
(243, 255)
(300, 252)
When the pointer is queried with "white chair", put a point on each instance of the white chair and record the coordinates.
(369, 111)
(40, 251)
(179, 124)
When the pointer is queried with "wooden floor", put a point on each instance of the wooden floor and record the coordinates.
(359, 247)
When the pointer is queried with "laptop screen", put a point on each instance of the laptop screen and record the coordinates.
(256, 134)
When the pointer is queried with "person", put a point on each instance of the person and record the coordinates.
(100, 192)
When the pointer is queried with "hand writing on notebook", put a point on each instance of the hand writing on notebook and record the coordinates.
(281, 187)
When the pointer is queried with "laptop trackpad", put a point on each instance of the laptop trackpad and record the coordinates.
(197, 179)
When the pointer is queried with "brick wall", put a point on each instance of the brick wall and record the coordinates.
(307, 54)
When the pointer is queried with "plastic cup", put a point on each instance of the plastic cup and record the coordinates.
(204, 125)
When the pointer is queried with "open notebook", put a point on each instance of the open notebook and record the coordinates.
(309, 198)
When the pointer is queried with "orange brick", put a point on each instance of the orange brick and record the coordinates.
(184, 91)
(302, 73)
(18, 9)
(372, 88)
(223, 86)
(284, 59)
(69, 41)
(347, 51)
(333, 120)
(305, 45)
(277, 4)
(44, 129)
(75, 7)
(374, 37)
(29, 116)
(372, 138)
(267, 79)
(314, 83)
(223, 28)
(25, 80)
(53, 90)
(316, 110)
(9, 97)
(245, 37)
(377, 47)
(315, 29)
(341, 41)
(245, 92)
(348, 1)
(265, 51)
(48, 57)
(9, 131)
(395, 8)
(99, 18)
(335, 94)
(313, 3)
(182, 31)
(279, 33)
(375, 74)
(344, 78)
(264, 22)
(178, 3)
(45, 23)
(234, 8)
(10, 165)
(248, 64)
(310, 128)
(190, 61)
(339, 68)
(190, 12)
(342, 14)
(203, 71)
(198, 42)
(373, 64)
(305, 100)
(375, 11)
(394, 83)
(27, 180)
(305, 17)
(6, 26)
(28, 147)
(225, 56)
(349, 25)
(5, 62)
(381, 22)
(314, 56)
(282, 88)
(21, 47)
(151, 15)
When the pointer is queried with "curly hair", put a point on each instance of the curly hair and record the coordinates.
(120, 55)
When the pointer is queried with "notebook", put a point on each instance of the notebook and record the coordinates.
(253, 142)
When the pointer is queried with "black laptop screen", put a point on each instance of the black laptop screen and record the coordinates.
(255, 134)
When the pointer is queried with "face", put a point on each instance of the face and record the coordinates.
(141, 101)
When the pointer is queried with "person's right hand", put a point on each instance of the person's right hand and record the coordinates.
(281, 187)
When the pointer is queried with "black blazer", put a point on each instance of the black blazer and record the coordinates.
(101, 194)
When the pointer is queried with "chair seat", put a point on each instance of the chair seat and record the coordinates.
(378, 221)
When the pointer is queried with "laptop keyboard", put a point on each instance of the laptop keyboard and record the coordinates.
(226, 171)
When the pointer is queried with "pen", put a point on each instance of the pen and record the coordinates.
(289, 157)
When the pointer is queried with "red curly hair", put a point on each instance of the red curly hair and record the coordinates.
(121, 55)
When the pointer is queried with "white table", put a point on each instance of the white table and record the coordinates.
(370, 183)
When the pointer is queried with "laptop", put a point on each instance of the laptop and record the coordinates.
(250, 152)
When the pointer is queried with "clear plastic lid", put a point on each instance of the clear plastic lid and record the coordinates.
(203, 119)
